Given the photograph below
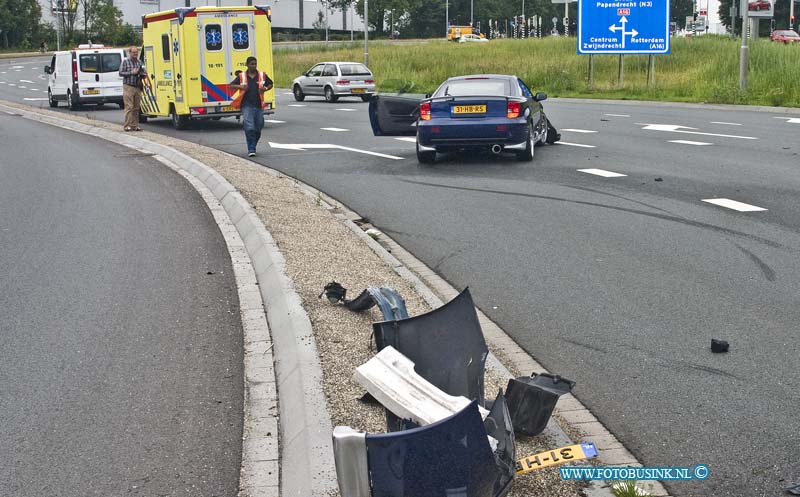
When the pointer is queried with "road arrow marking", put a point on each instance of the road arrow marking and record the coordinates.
(792, 120)
(306, 146)
(733, 204)
(676, 128)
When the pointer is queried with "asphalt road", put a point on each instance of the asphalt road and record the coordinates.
(620, 282)
(120, 336)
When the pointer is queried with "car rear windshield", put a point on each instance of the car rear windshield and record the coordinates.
(354, 70)
(470, 87)
(96, 62)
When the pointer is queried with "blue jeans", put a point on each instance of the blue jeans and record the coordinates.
(252, 122)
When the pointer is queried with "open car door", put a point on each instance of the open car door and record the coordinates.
(394, 115)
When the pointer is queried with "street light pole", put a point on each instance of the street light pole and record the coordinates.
(744, 51)
(446, 18)
(366, 33)
(471, 19)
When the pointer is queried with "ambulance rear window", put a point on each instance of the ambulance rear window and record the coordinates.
(241, 37)
(213, 37)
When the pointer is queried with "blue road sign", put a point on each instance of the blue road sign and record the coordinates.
(624, 26)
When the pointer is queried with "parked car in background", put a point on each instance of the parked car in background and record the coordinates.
(333, 80)
(759, 5)
(471, 38)
(785, 36)
(493, 112)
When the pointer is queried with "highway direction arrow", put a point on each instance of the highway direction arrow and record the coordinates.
(677, 128)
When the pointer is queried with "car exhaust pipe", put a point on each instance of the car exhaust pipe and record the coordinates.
(496, 149)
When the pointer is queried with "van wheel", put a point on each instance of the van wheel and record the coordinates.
(179, 122)
(50, 100)
(73, 101)
(329, 96)
(298, 93)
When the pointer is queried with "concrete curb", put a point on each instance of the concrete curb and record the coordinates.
(306, 451)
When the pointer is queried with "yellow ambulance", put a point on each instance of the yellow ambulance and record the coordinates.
(192, 54)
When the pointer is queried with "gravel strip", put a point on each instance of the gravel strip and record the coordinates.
(318, 249)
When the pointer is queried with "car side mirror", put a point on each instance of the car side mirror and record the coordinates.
(47, 70)
(540, 96)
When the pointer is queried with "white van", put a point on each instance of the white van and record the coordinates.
(87, 75)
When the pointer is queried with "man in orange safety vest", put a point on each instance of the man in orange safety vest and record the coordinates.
(251, 86)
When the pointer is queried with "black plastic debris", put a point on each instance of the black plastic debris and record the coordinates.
(388, 300)
(531, 400)
(719, 346)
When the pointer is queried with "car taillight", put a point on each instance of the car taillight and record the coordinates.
(425, 111)
(343, 82)
(513, 110)
(74, 70)
(199, 110)
(370, 81)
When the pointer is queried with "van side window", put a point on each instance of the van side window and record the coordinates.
(213, 37)
(165, 47)
(241, 37)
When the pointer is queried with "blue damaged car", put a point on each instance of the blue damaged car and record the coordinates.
(484, 111)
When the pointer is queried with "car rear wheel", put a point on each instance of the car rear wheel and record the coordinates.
(527, 154)
(298, 93)
(425, 156)
(329, 95)
(365, 98)
(50, 100)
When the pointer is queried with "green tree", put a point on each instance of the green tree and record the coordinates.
(19, 22)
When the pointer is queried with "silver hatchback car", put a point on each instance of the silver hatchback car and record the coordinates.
(333, 80)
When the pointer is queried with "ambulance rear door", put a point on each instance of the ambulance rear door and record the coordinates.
(176, 48)
(226, 40)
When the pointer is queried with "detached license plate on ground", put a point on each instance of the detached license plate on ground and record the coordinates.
(91, 92)
(469, 109)
(358, 90)
(229, 109)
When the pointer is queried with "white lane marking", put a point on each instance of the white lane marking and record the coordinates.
(676, 128)
(25, 81)
(288, 94)
(35, 89)
(406, 139)
(274, 121)
(347, 110)
(17, 67)
(12, 84)
(575, 145)
(573, 130)
(722, 122)
(792, 120)
(689, 142)
(34, 99)
(733, 204)
(23, 87)
(296, 105)
(334, 129)
(617, 115)
(306, 146)
(602, 172)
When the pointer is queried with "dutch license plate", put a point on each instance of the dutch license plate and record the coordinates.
(561, 455)
(229, 109)
(91, 92)
(469, 109)
(358, 90)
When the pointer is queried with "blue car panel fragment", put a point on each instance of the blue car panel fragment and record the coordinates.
(623, 27)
